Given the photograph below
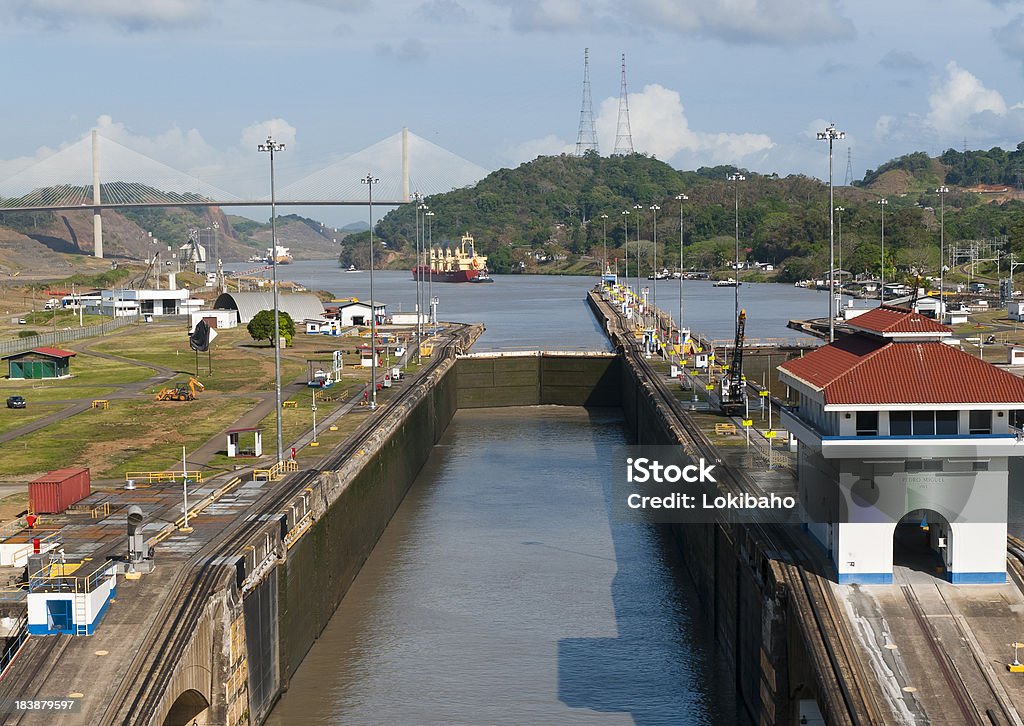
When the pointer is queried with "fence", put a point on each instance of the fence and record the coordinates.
(65, 335)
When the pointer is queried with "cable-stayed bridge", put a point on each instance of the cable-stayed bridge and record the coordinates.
(404, 163)
(99, 173)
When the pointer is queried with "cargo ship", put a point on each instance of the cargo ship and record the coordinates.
(282, 254)
(455, 264)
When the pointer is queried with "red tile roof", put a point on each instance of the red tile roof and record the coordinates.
(852, 372)
(52, 352)
(889, 321)
(55, 352)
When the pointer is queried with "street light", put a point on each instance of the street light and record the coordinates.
(369, 180)
(604, 238)
(420, 208)
(272, 147)
(681, 198)
(654, 304)
(942, 191)
(882, 204)
(839, 246)
(638, 207)
(736, 179)
(625, 223)
(830, 134)
(430, 269)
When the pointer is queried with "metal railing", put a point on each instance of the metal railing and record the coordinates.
(275, 472)
(44, 579)
(66, 335)
(195, 476)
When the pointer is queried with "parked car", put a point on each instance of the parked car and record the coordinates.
(15, 402)
(22, 321)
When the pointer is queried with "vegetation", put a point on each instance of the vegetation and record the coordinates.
(548, 215)
(261, 327)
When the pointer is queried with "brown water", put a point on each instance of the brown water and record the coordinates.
(502, 594)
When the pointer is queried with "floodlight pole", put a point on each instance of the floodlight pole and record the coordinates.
(942, 191)
(830, 134)
(681, 198)
(369, 180)
(882, 204)
(272, 147)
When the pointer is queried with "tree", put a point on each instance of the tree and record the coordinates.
(261, 327)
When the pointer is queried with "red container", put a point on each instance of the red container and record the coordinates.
(54, 492)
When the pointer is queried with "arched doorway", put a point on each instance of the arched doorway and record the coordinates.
(190, 707)
(921, 545)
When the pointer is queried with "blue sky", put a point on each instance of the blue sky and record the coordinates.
(196, 83)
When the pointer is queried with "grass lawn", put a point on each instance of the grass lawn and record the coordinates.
(12, 418)
(91, 378)
(134, 435)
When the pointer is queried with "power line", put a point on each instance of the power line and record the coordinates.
(849, 167)
(586, 138)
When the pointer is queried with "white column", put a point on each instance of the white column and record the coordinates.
(97, 220)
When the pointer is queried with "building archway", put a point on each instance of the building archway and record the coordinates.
(188, 708)
(922, 541)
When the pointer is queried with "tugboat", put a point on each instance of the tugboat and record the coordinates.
(483, 277)
(454, 264)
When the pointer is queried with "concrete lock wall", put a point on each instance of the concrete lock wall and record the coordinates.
(534, 380)
(322, 564)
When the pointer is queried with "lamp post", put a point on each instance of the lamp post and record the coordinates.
(272, 147)
(420, 208)
(882, 204)
(830, 134)
(604, 239)
(369, 180)
(736, 179)
(625, 244)
(654, 303)
(430, 268)
(638, 207)
(839, 247)
(681, 198)
(942, 191)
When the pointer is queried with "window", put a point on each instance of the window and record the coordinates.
(946, 423)
(867, 423)
(981, 422)
(924, 465)
(924, 423)
(899, 423)
(979, 465)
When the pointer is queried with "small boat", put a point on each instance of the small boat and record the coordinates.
(352, 268)
(482, 277)
(727, 283)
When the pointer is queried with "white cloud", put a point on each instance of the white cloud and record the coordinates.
(659, 127)
(257, 133)
(959, 97)
(785, 22)
(135, 15)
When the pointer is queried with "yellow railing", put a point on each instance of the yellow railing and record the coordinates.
(275, 472)
(158, 476)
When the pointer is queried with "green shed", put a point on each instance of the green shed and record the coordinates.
(39, 363)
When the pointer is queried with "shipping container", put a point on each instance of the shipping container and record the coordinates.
(54, 492)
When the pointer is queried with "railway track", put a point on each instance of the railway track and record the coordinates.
(138, 697)
(816, 602)
(830, 644)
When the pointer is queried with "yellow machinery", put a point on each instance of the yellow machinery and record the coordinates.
(186, 392)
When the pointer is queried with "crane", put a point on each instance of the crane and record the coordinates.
(734, 392)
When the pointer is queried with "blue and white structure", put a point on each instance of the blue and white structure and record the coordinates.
(69, 598)
(904, 443)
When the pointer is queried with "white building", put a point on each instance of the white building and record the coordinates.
(147, 302)
(322, 326)
(904, 446)
(219, 319)
(357, 312)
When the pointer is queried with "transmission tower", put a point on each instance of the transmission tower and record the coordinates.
(623, 136)
(849, 167)
(586, 139)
